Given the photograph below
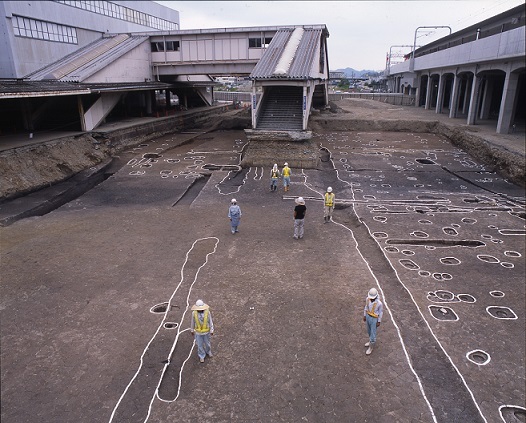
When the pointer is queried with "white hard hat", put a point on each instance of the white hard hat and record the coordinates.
(373, 293)
(329, 189)
(286, 164)
(200, 306)
(275, 165)
(233, 201)
(300, 200)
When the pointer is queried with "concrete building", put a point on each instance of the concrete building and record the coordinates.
(477, 73)
(77, 64)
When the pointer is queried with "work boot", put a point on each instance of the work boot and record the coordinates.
(367, 344)
(201, 360)
(370, 349)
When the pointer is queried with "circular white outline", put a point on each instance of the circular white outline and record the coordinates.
(497, 296)
(473, 361)
(502, 318)
(443, 320)
(509, 406)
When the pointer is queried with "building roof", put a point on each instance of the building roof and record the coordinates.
(81, 64)
(24, 88)
(301, 60)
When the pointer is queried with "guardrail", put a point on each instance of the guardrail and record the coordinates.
(390, 98)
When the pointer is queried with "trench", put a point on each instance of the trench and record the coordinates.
(69, 190)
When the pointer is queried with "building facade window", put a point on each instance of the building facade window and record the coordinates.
(259, 42)
(107, 8)
(42, 30)
(165, 46)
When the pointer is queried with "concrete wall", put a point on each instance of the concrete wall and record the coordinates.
(133, 66)
(20, 56)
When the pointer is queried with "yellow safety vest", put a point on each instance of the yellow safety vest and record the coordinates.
(329, 199)
(275, 174)
(201, 327)
(286, 171)
(372, 313)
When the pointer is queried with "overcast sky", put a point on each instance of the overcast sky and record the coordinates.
(361, 32)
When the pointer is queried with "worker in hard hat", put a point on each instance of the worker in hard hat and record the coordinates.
(299, 218)
(234, 214)
(328, 204)
(372, 316)
(274, 177)
(202, 327)
(285, 172)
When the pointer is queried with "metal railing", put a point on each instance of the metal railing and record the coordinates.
(390, 98)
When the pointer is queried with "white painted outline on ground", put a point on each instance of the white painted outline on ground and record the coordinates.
(502, 318)
(483, 352)
(161, 326)
(443, 320)
(509, 406)
(416, 305)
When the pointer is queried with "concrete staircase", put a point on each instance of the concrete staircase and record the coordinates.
(281, 109)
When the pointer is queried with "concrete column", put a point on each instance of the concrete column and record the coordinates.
(81, 114)
(429, 92)
(508, 103)
(453, 108)
(148, 102)
(254, 106)
(467, 95)
(487, 94)
(474, 99)
(440, 96)
(417, 91)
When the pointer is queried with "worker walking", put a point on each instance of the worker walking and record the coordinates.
(286, 177)
(328, 205)
(274, 177)
(202, 327)
(234, 214)
(372, 316)
(299, 218)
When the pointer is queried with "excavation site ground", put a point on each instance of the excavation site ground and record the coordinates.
(96, 294)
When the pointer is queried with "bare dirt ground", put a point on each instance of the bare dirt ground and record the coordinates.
(96, 294)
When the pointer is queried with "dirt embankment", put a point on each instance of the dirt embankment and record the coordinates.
(30, 168)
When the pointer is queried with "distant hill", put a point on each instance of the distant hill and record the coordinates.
(350, 72)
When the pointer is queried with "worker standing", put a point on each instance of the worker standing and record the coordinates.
(286, 177)
(372, 316)
(274, 177)
(202, 327)
(234, 214)
(328, 205)
(299, 218)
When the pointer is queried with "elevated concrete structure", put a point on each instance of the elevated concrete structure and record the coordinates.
(478, 73)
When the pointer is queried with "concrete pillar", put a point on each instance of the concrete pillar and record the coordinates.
(467, 95)
(81, 114)
(453, 108)
(148, 102)
(487, 94)
(254, 107)
(508, 103)
(440, 96)
(417, 90)
(474, 99)
(429, 92)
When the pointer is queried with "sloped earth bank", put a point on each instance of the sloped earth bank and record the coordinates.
(96, 295)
